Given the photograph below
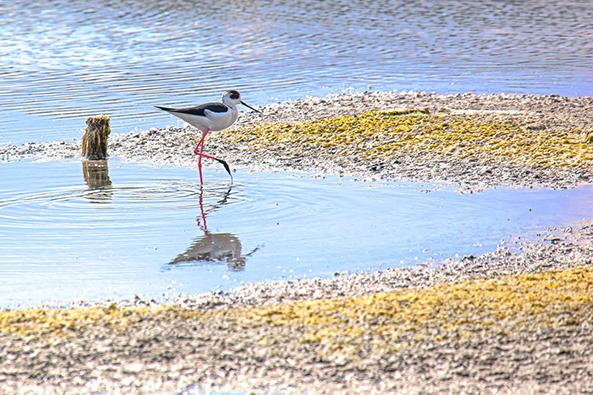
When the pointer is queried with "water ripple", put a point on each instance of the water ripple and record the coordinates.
(68, 233)
(62, 61)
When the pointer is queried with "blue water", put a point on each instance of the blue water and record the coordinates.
(140, 230)
(61, 61)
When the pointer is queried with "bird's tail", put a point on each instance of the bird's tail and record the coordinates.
(164, 108)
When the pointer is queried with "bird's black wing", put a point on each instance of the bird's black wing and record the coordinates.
(198, 110)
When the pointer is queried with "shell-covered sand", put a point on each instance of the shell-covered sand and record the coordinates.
(515, 320)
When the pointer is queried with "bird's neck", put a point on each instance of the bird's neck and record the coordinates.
(229, 104)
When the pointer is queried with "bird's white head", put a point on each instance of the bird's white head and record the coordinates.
(232, 98)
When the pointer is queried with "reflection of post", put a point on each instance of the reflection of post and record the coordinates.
(96, 177)
(96, 173)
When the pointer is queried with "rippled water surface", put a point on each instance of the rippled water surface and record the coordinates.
(61, 61)
(71, 233)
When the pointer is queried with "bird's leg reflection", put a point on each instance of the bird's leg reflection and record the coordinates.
(214, 247)
(202, 224)
(221, 202)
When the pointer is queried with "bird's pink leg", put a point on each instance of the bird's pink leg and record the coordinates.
(200, 170)
(201, 142)
(207, 156)
(226, 165)
(198, 151)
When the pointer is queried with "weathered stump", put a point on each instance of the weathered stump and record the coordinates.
(94, 140)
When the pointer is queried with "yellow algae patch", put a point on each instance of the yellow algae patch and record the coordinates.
(69, 321)
(385, 322)
(390, 321)
(394, 134)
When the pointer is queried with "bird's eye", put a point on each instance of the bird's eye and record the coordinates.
(234, 95)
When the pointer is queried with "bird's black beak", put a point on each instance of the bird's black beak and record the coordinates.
(247, 105)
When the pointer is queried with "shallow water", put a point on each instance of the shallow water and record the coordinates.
(61, 61)
(140, 230)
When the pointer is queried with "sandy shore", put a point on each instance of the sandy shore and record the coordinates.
(516, 320)
(507, 322)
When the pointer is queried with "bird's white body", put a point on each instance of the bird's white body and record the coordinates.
(211, 121)
(210, 117)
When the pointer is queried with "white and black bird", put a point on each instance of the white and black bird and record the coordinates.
(209, 117)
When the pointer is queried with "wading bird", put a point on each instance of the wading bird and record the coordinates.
(210, 117)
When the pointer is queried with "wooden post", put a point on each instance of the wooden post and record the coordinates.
(94, 140)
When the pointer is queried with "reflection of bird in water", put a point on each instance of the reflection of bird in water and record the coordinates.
(209, 117)
(214, 247)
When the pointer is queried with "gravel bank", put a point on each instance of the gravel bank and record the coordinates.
(477, 141)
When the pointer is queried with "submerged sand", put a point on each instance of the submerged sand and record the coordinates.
(516, 320)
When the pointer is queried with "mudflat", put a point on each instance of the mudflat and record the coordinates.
(515, 320)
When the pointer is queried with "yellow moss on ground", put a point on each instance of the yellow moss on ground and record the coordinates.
(392, 134)
(69, 321)
(454, 311)
(387, 321)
